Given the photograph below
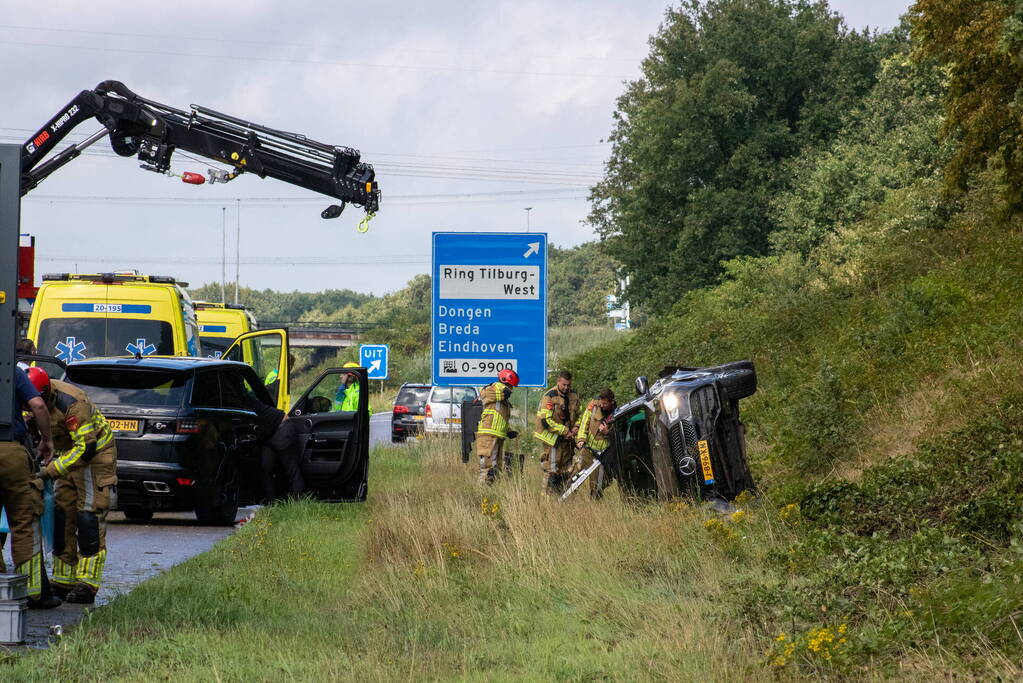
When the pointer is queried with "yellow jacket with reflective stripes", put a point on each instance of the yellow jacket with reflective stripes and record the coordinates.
(76, 424)
(589, 424)
(555, 414)
(496, 410)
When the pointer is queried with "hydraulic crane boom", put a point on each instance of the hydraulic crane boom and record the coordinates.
(153, 131)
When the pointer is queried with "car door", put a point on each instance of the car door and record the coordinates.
(334, 444)
(240, 388)
(267, 352)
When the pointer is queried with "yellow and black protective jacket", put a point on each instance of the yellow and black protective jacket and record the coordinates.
(555, 415)
(80, 431)
(589, 427)
(496, 411)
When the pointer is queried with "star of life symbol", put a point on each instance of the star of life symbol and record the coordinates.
(215, 355)
(140, 348)
(70, 350)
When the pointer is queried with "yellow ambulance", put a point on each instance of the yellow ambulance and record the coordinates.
(113, 314)
(221, 324)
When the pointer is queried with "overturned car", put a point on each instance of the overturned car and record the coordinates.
(682, 435)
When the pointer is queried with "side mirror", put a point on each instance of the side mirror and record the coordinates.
(642, 386)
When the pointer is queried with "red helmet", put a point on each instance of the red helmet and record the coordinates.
(40, 380)
(509, 377)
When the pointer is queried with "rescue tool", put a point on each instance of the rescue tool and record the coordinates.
(153, 132)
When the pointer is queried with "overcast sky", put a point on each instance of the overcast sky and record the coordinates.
(470, 112)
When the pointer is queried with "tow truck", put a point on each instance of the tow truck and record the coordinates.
(152, 132)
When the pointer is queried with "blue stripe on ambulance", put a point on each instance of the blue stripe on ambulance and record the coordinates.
(144, 309)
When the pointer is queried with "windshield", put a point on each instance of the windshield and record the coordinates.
(214, 347)
(74, 339)
(131, 386)
(412, 397)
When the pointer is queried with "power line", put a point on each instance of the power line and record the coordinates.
(221, 40)
(289, 60)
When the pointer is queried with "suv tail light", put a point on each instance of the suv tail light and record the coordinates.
(400, 409)
(188, 426)
(429, 412)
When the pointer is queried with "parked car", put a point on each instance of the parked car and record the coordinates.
(443, 409)
(409, 413)
(186, 431)
(683, 435)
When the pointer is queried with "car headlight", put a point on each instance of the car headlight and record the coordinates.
(670, 403)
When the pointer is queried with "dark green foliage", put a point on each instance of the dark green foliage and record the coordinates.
(730, 89)
(277, 306)
(980, 42)
(580, 278)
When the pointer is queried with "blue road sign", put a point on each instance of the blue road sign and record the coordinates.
(373, 357)
(489, 307)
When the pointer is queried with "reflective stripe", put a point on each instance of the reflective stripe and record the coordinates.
(549, 438)
(96, 423)
(498, 425)
(63, 572)
(33, 569)
(553, 463)
(90, 494)
(90, 569)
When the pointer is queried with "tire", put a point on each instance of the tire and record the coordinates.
(219, 507)
(396, 439)
(137, 514)
(738, 380)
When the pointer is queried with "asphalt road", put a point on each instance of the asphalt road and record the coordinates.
(137, 551)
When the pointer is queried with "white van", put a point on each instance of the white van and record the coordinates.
(444, 408)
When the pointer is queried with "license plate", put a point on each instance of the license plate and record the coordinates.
(418, 418)
(708, 471)
(124, 425)
(453, 420)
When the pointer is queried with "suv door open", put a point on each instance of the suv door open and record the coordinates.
(267, 352)
(334, 444)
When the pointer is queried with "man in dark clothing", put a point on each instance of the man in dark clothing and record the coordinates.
(280, 444)
(21, 492)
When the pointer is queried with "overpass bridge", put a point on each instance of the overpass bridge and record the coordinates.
(320, 335)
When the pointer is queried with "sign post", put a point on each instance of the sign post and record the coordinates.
(373, 357)
(489, 307)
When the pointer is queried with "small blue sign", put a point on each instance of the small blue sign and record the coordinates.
(373, 357)
(489, 307)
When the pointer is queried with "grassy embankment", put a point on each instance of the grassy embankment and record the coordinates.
(432, 578)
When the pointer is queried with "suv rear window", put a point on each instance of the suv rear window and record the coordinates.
(412, 397)
(444, 394)
(131, 386)
(73, 339)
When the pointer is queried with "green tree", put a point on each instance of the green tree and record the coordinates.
(981, 44)
(888, 145)
(580, 278)
(730, 89)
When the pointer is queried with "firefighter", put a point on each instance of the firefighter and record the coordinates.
(592, 437)
(84, 466)
(555, 428)
(21, 492)
(493, 428)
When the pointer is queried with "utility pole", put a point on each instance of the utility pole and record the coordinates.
(237, 247)
(528, 209)
(223, 254)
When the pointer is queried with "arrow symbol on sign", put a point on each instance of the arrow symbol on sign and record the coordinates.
(534, 248)
(374, 366)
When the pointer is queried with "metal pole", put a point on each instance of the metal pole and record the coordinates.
(528, 209)
(223, 254)
(237, 247)
(10, 227)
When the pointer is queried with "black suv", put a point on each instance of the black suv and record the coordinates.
(185, 431)
(409, 413)
(683, 435)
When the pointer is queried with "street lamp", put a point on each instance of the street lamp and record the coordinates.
(528, 209)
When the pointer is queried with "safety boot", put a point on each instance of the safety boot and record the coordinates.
(60, 589)
(81, 595)
(44, 602)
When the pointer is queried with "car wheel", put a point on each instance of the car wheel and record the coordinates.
(219, 506)
(137, 514)
(738, 379)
